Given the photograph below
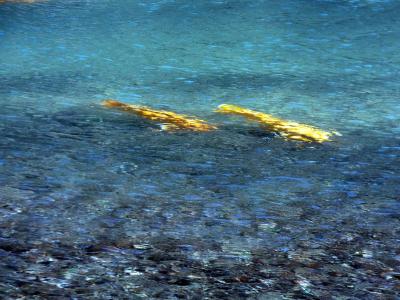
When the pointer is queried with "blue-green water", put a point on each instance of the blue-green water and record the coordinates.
(98, 204)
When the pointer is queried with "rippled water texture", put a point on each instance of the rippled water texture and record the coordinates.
(99, 204)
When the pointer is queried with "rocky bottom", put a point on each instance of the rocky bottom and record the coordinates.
(176, 269)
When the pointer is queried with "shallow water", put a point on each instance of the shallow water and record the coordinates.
(98, 204)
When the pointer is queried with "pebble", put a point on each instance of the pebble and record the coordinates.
(267, 226)
(367, 254)
(133, 272)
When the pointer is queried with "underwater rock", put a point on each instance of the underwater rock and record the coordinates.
(159, 256)
(170, 121)
(288, 129)
(14, 246)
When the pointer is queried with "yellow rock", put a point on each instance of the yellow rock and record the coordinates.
(287, 129)
(171, 121)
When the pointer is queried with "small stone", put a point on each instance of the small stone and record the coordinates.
(267, 282)
(304, 283)
(142, 246)
(267, 226)
(132, 272)
(182, 281)
(367, 253)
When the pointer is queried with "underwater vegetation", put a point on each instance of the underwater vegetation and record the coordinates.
(288, 129)
(171, 121)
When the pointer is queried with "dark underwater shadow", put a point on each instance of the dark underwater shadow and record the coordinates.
(302, 83)
(65, 83)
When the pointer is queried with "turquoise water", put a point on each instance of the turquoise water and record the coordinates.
(98, 204)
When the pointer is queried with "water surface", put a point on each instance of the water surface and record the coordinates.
(98, 204)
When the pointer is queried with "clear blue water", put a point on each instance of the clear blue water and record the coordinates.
(98, 204)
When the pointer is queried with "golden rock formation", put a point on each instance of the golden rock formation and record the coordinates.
(288, 129)
(171, 121)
